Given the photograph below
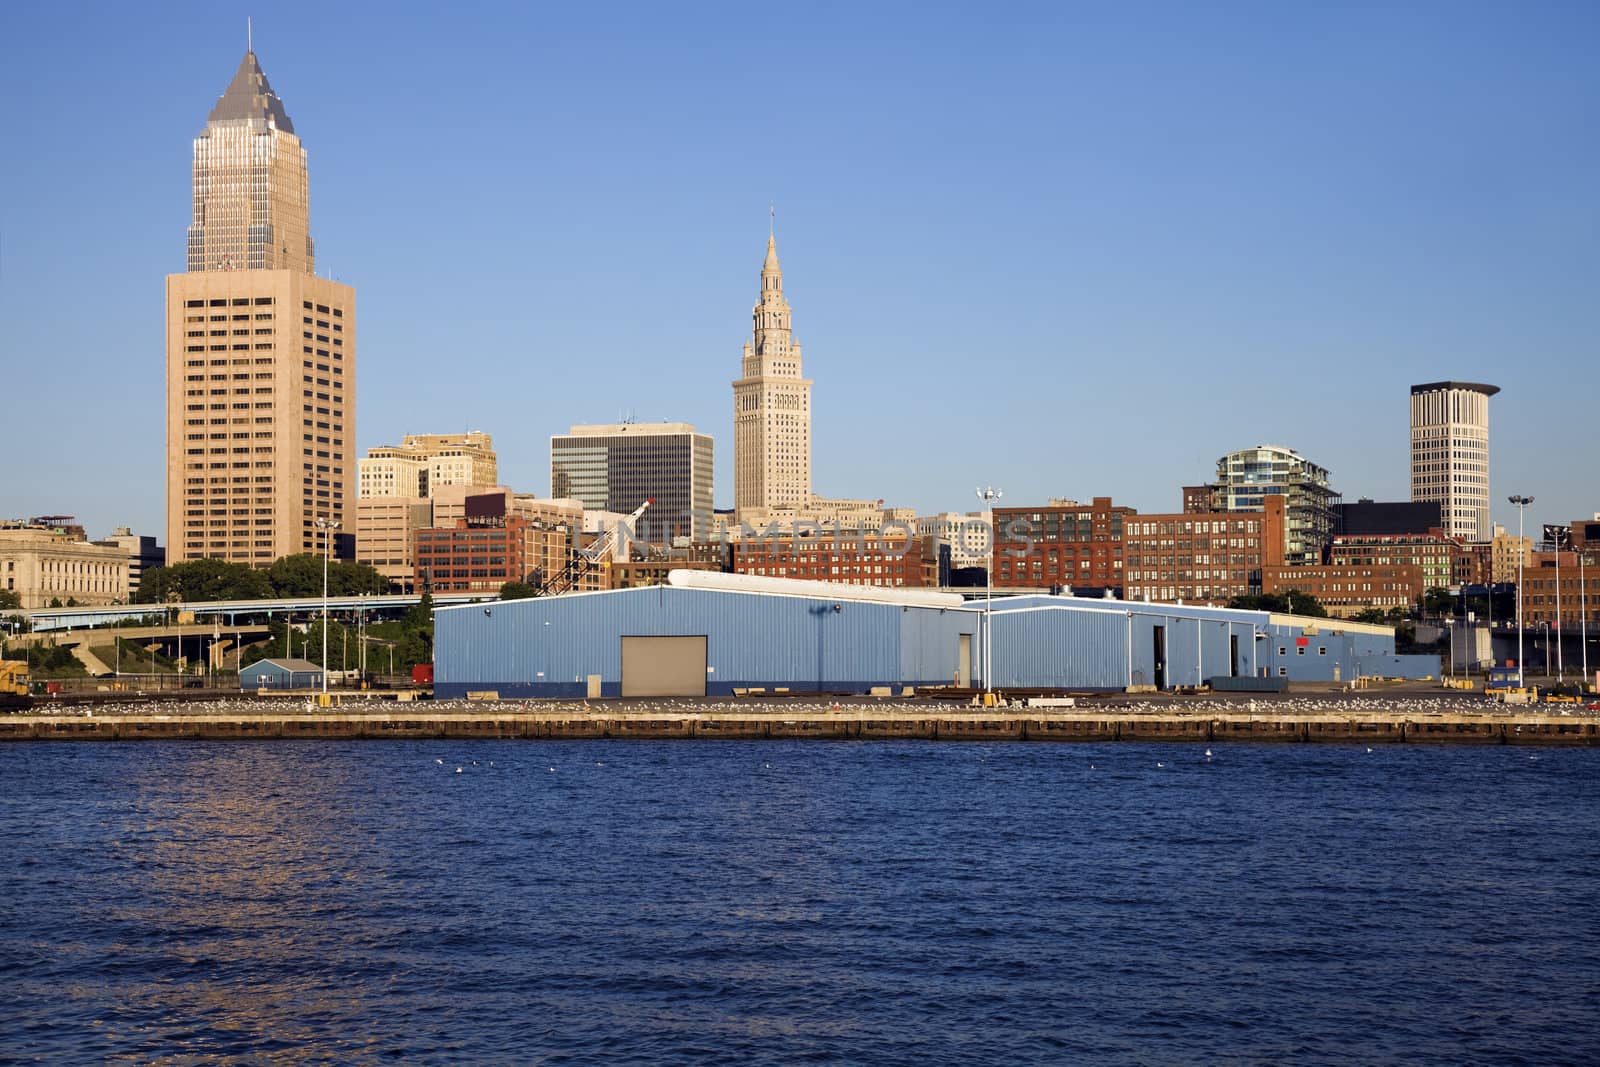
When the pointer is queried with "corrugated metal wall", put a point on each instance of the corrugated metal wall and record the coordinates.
(549, 646)
(1063, 647)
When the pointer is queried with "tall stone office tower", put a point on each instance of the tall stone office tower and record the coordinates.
(261, 353)
(1450, 454)
(771, 409)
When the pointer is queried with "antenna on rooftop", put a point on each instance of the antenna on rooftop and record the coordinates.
(249, 36)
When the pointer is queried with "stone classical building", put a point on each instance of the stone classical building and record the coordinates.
(41, 565)
(771, 408)
(261, 353)
(1450, 453)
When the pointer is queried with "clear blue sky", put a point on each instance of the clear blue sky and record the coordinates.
(1064, 249)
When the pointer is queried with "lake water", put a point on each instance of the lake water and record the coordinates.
(726, 902)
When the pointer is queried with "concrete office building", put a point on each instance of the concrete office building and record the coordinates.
(142, 551)
(386, 535)
(616, 467)
(968, 537)
(424, 460)
(261, 353)
(1506, 552)
(1450, 453)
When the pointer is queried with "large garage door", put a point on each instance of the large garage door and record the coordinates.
(663, 666)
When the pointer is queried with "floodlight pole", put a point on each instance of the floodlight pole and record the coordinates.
(989, 495)
(1522, 503)
(327, 526)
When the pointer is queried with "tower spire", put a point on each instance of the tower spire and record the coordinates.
(249, 36)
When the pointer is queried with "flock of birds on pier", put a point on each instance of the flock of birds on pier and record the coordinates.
(667, 708)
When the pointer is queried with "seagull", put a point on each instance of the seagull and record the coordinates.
(439, 761)
(458, 770)
(1369, 751)
(1208, 753)
(1159, 765)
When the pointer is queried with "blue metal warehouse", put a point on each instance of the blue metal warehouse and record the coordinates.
(707, 633)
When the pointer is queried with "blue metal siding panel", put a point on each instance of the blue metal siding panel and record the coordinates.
(754, 639)
(930, 643)
(1060, 648)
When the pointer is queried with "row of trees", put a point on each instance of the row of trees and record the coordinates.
(291, 576)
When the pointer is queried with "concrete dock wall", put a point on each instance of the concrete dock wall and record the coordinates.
(854, 726)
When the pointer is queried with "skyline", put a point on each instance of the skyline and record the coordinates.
(1206, 223)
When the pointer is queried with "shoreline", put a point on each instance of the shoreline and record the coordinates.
(1306, 719)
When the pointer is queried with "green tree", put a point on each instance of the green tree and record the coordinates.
(9, 599)
(203, 580)
(1438, 602)
(517, 591)
(1376, 616)
(296, 576)
(1292, 602)
(301, 576)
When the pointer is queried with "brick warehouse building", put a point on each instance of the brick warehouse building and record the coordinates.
(1346, 591)
(1434, 553)
(478, 555)
(1202, 557)
(1061, 544)
(862, 558)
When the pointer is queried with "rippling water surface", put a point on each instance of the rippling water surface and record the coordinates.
(741, 903)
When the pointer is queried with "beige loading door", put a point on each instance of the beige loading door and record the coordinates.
(664, 666)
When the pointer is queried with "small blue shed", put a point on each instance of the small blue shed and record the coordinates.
(281, 674)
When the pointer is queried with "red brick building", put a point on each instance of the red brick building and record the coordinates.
(1579, 595)
(1433, 553)
(1204, 557)
(477, 555)
(851, 558)
(1349, 590)
(1062, 543)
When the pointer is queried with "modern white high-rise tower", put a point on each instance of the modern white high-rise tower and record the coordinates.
(1450, 454)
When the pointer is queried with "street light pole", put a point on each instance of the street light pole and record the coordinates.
(1561, 663)
(1583, 613)
(989, 494)
(1522, 503)
(327, 526)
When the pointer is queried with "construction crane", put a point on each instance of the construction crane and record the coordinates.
(598, 554)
